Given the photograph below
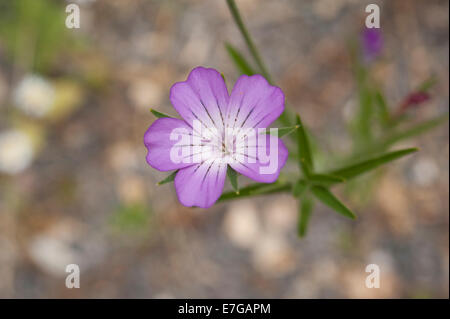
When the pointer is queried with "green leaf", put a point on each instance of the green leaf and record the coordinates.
(168, 179)
(362, 123)
(366, 112)
(300, 188)
(257, 189)
(232, 176)
(326, 197)
(159, 114)
(428, 84)
(305, 210)
(131, 218)
(248, 39)
(287, 118)
(238, 59)
(382, 106)
(282, 131)
(365, 166)
(415, 130)
(325, 179)
(304, 151)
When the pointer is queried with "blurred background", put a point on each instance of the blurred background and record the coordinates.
(75, 186)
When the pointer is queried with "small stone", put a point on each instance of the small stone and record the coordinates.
(242, 225)
(280, 215)
(394, 202)
(63, 243)
(131, 189)
(145, 94)
(273, 257)
(16, 152)
(425, 172)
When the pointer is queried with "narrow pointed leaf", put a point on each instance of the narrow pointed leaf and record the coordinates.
(365, 166)
(282, 131)
(257, 189)
(415, 130)
(159, 114)
(325, 179)
(287, 118)
(248, 39)
(305, 210)
(428, 84)
(304, 151)
(168, 179)
(365, 115)
(232, 176)
(361, 127)
(239, 61)
(300, 188)
(326, 197)
(382, 107)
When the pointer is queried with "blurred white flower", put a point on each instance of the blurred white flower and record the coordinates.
(34, 95)
(16, 151)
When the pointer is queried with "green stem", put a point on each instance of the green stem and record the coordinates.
(254, 190)
(286, 116)
(251, 46)
(385, 142)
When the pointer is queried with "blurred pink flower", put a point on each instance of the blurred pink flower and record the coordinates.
(414, 99)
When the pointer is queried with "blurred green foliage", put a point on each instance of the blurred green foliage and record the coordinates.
(373, 130)
(133, 218)
(33, 32)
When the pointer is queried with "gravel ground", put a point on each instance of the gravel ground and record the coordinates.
(73, 204)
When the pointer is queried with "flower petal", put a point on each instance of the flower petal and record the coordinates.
(263, 161)
(203, 96)
(254, 103)
(159, 144)
(201, 184)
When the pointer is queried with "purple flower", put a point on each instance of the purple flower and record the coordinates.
(372, 44)
(223, 138)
